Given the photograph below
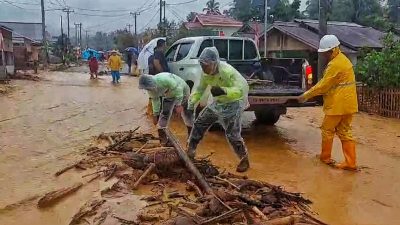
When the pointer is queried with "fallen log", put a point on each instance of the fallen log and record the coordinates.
(223, 216)
(54, 196)
(199, 193)
(289, 220)
(146, 172)
(58, 173)
(86, 210)
(188, 163)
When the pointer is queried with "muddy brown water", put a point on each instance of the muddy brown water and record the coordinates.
(45, 125)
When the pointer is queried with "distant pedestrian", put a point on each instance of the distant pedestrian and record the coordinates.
(115, 65)
(129, 58)
(158, 62)
(93, 67)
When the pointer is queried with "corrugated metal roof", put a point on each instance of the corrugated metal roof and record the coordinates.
(303, 35)
(351, 34)
(30, 30)
(217, 20)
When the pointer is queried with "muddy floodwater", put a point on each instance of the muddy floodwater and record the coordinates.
(45, 125)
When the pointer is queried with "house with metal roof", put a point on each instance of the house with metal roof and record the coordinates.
(6, 52)
(30, 30)
(222, 25)
(300, 38)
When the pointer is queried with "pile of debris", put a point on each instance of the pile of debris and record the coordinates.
(179, 191)
(25, 75)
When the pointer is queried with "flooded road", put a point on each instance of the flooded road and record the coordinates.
(45, 125)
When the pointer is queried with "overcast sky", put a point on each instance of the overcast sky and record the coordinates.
(114, 14)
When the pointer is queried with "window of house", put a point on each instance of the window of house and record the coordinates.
(235, 49)
(183, 51)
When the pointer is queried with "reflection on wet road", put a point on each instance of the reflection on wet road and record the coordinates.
(44, 125)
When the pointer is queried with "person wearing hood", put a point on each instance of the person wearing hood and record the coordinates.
(115, 65)
(338, 87)
(167, 92)
(230, 91)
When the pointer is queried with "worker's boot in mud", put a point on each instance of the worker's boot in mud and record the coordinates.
(244, 165)
(349, 151)
(241, 151)
(326, 150)
(164, 141)
(191, 149)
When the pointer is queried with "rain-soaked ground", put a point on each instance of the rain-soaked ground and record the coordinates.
(44, 125)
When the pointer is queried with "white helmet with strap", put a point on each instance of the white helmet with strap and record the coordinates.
(328, 42)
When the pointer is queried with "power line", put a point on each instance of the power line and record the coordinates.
(183, 3)
(99, 15)
(176, 14)
(152, 18)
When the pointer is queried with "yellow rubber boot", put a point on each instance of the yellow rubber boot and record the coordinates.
(349, 152)
(326, 150)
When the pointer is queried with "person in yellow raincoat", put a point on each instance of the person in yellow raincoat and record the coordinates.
(115, 65)
(338, 87)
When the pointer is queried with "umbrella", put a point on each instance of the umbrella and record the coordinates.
(133, 50)
(145, 53)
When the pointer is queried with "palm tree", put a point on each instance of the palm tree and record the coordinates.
(212, 7)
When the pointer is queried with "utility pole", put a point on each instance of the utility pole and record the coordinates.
(164, 21)
(62, 34)
(265, 28)
(135, 14)
(323, 30)
(129, 27)
(87, 39)
(80, 35)
(46, 54)
(68, 11)
(76, 33)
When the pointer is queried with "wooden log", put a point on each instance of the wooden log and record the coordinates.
(58, 173)
(188, 163)
(146, 172)
(196, 188)
(88, 209)
(223, 216)
(288, 220)
(54, 196)
(259, 213)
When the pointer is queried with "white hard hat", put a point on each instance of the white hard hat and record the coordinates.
(328, 42)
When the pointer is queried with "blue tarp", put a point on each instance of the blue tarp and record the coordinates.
(88, 52)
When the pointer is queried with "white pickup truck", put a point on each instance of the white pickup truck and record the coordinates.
(274, 83)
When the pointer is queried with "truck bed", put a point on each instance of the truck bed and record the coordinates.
(275, 90)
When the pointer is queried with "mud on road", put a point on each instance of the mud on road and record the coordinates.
(45, 125)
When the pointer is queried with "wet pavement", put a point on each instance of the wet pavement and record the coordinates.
(45, 125)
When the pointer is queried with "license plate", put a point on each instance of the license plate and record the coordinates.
(266, 100)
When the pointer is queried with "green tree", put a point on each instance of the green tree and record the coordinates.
(212, 7)
(243, 11)
(394, 10)
(190, 17)
(312, 9)
(286, 11)
(381, 68)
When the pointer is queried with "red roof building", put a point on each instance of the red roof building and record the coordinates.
(221, 24)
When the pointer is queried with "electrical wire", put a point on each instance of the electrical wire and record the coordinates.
(98, 15)
(155, 14)
(182, 3)
(176, 14)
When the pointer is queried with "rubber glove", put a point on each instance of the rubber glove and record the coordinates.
(217, 91)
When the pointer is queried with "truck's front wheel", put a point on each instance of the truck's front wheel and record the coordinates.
(267, 117)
